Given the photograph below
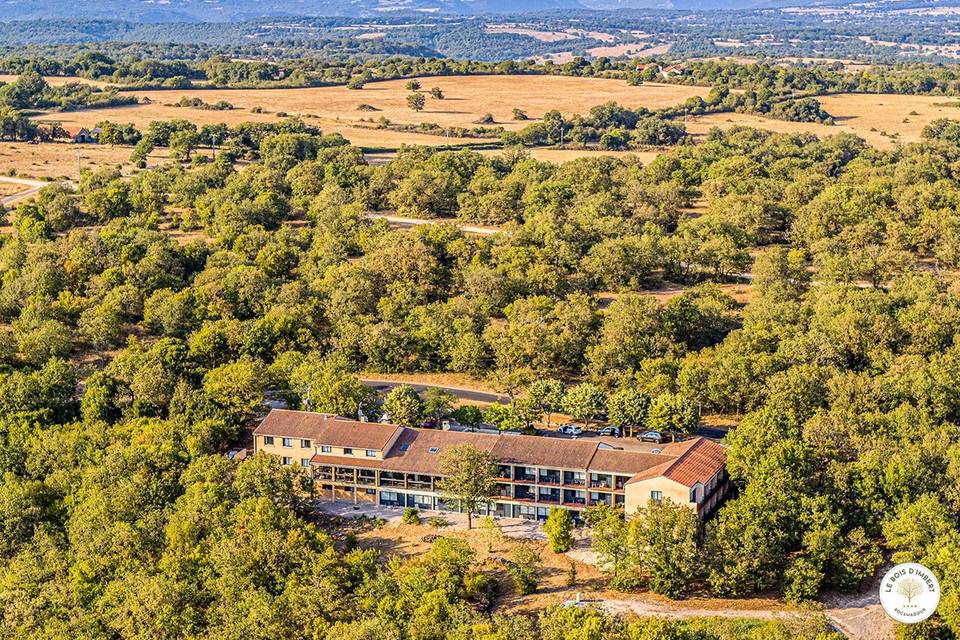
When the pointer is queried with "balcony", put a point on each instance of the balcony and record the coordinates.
(550, 478)
(599, 484)
(522, 493)
(525, 477)
(367, 480)
(549, 497)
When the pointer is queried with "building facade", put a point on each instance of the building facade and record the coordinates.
(365, 462)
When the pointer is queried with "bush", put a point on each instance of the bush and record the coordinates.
(410, 516)
(523, 569)
(438, 522)
(559, 529)
(480, 588)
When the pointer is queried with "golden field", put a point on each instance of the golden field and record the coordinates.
(883, 120)
(467, 99)
(56, 81)
(59, 159)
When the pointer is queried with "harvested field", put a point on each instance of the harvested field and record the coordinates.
(467, 99)
(56, 160)
(883, 120)
(56, 81)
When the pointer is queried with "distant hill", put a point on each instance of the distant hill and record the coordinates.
(240, 10)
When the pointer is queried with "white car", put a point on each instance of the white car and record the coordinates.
(570, 429)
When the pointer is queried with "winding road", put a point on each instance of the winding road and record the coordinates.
(32, 186)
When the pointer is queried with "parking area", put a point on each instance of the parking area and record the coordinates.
(626, 443)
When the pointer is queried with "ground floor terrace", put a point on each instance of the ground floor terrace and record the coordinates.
(522, 494)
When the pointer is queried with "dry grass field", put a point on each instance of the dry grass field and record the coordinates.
(467, 99)
(883, 120)
(57, 160)
(56, 81)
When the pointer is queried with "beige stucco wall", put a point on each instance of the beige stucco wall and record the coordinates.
(296, 451)
(638, 493)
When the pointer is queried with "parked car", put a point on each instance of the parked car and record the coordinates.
(570, 429)
(611, 430)
(651, 436)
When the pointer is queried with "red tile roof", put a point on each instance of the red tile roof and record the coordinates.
(326, 429)
(419, 450)
(699, 461)
(623, 462)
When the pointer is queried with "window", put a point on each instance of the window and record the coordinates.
(347, 451)
(287, 461)
(693, 494)
(287, 442)
(404, 447)
(305, 463)
(656, 496)
(267, 439)
(325, 449)
(371, 453)
(304, 444)
(434, 449)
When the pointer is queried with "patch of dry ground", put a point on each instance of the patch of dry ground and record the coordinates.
(59, 160)
(468, 98)
(56, 81)
(869, 116)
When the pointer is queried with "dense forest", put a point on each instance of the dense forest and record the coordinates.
(131, 360)
(886, 32)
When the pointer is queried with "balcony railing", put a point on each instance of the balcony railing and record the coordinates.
(525, 478)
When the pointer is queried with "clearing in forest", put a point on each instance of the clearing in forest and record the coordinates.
(466, 100)
(883, 120)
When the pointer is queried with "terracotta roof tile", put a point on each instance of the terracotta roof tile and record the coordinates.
(329, 430)
(547, 452)
(700, 460)
(624, 462)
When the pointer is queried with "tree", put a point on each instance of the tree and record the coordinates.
(437, 404)
(329, 386)
(182, 144)
(559, 529)
(627, 408)
(236, 390)
(547, 395)
(665, 536)
(469, 478)
(524, 565)
(404, 406)
(584, 402)
(672, 412)
(519, 114)
(412, 85)
(416, 101)
(437, 93)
